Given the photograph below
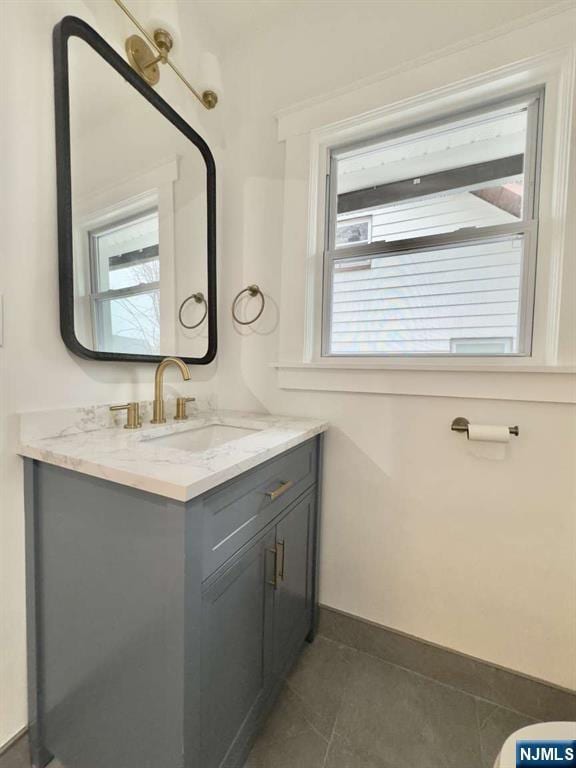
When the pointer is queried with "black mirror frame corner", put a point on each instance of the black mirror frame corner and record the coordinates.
(71, 26)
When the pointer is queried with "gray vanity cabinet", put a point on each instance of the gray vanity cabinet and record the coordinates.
(237, 614)
(160, 631)
(292, 599)
(255, 618)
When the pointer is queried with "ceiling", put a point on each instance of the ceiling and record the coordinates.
(233, 20)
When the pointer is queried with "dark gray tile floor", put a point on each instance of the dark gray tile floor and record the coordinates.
(18, 757)
(341, 708)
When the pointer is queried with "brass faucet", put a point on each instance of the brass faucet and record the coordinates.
(158, 413)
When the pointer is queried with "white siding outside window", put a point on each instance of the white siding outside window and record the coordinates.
(426, 301)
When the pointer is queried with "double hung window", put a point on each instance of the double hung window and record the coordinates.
(431, 237)
(125, 284)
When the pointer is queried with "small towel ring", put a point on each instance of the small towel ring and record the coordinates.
(253, 290)
(199, 299)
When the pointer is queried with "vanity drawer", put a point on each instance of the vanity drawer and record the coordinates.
(235, 513)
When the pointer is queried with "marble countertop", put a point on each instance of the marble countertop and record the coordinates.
(93, 442)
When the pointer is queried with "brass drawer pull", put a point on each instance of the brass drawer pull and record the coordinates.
(277, 492)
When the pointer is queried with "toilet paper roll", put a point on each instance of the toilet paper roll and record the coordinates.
(488, 433)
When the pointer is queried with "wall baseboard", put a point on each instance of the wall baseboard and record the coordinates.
(11, 742)
(505, 687)
(513, 690)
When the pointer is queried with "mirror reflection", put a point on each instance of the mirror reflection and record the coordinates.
(139, 219)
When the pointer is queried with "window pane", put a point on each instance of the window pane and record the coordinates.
(463, 299)
(130, 324)
(137, 273)
(460, 175)
(127, 254)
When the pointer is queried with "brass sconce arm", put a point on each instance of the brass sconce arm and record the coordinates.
(142, 59)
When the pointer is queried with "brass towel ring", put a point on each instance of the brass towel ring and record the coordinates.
(253, 290)
(199, 299)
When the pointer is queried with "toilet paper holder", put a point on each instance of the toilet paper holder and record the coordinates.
(460, 424)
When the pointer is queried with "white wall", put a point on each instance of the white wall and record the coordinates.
(36, 370)
(421, 532)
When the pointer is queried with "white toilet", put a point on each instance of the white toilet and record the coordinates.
(539, 732)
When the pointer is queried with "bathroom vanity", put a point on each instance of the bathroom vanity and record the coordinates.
(172, 584)
(171, 568)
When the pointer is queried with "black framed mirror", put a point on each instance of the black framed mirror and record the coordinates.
(136, 212)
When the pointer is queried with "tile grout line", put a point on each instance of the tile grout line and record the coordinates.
(330, 739)
(445, 756)
(547, 685)
(340, 705)
(420, 674)
(431, 679)
(479, 730)
(327, 753)
(332, 734)
(305, 713)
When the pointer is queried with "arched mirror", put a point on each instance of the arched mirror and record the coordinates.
(136, 212)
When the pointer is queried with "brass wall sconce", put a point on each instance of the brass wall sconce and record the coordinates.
(141, 56)
(146, 53)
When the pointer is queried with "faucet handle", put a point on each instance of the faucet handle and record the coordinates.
(132, 414)
(181, 414)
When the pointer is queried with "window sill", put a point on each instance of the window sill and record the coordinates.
(506, 381)
(346, 363)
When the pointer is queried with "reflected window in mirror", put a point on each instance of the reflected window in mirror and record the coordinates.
(125, 284)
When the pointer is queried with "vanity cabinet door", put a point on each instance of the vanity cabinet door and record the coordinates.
(293, 595)
(237, 609)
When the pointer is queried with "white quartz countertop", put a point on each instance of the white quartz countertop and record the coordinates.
(84, 443)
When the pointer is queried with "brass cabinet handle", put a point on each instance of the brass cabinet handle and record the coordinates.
(280, 557)
(278, 551)
(274, 582)
(277, 492)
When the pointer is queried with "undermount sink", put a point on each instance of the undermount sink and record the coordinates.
(203, 438)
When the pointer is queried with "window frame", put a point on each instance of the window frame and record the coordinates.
(100, 324)
(527, 226)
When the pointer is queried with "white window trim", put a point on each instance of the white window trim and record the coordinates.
(359, 116)
(432, 106)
